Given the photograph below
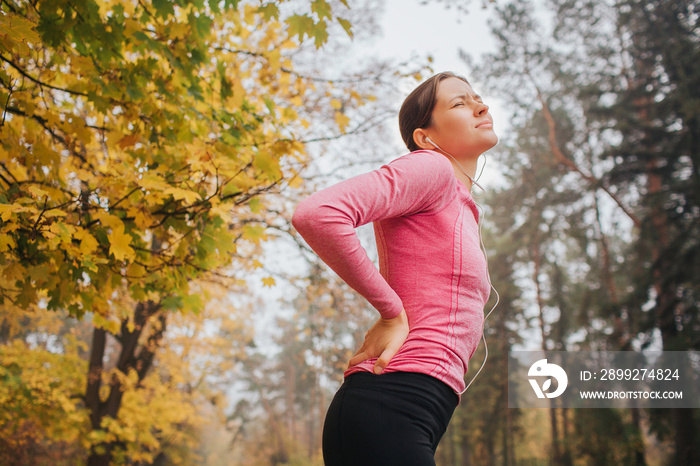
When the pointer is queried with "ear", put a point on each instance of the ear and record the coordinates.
(420, 137)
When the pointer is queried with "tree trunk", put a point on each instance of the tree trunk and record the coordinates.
(537, 261)
(101, 454)
(686, 449)
(639, 459)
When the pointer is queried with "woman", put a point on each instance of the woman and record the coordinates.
(404, 383)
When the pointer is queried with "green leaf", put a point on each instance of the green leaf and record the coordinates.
(51, 29)
(270, 105)
(254, 204)
(214, 6)
(322, 8)
(269, 10)
(300, 25)
(230, 4)
(320, 34)
(164, 8)
(346, 25)
(172, 303)
(192, 302)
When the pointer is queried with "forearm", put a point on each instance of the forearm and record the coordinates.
(335, 241)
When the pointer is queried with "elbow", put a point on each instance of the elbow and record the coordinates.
(301, 218)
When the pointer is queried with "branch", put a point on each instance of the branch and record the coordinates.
(42, 122)
(31, 78)
(561, 158)
(123, 198)
(11, 6)
(7, 102)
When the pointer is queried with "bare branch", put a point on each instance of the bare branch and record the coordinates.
(561, 158)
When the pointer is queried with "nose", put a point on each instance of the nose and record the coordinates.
(481, 109)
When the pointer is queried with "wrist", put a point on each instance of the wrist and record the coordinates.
(400, 318)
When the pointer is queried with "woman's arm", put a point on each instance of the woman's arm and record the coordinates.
(418, 182)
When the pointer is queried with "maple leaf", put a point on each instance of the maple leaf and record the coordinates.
(322, 8)
(300, 25)
(120, 244)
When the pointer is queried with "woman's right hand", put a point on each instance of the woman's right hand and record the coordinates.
(383, 341)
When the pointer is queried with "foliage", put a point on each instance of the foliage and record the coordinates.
(126, 148)
(42, 418)
(137, 142)
(43, 381)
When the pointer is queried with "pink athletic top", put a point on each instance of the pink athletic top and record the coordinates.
(430, 263)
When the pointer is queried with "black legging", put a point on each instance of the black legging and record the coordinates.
(390, 419)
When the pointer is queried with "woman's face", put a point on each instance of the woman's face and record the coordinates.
(461, 123)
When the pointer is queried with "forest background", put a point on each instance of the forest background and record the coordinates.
(152, 152)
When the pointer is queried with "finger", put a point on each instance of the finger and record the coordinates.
(384, 359)
(358, 358)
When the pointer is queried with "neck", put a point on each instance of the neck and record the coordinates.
(469, 167)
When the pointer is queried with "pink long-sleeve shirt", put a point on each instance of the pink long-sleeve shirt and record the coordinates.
(430, 262)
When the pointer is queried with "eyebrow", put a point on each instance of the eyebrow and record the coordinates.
(475, 97)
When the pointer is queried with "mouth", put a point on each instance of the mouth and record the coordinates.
(485, 124)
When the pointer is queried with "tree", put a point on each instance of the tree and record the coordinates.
(656, 114)
(137, 140)
(603, 179)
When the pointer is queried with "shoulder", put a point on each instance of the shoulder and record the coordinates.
(428, 165)
(425, 162)
(425, 176)
(424, 159)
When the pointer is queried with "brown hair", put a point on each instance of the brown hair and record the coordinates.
(417, 110)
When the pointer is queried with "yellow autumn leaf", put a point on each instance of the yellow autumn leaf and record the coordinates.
(297, 101)
(88, 243)
(183, 194)
(6, 242)
(120, 244)
(6, 211)
(141, 220)
(109, 220)
(267, 163)
(37, 191)
(136, 271)
(153, 182)
(64, 231)
(269, 281)
(336, 104)
(342, 121)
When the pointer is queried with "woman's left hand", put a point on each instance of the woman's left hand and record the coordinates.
(383, 341)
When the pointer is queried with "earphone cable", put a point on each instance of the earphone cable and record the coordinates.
(482, 216)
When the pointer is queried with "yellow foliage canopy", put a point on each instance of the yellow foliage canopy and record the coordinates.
(135, 137)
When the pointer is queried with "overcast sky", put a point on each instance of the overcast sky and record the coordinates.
(410, 27)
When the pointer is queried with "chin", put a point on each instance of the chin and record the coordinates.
(492, 143)
(488, 144)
